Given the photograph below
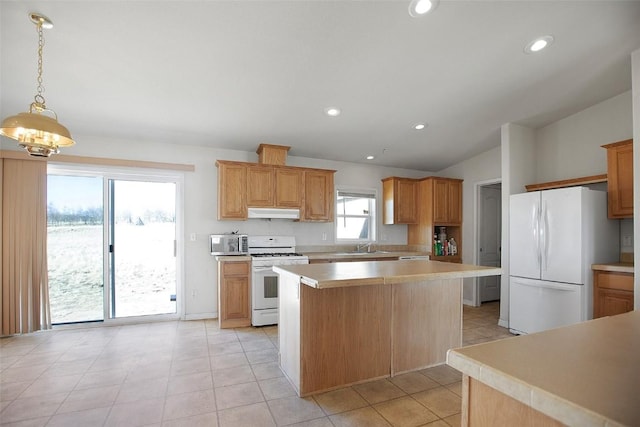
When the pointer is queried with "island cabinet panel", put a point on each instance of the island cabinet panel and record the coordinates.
(414, 347)
(620, 179)
(232, 190)
(289, 187)
(260, 186)
(487, 407)
(331, 320)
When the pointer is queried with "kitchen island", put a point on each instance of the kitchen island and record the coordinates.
(346, 323)
(585, 374)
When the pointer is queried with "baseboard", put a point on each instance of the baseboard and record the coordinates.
(503, 323)
(468, 302)
(201, 316)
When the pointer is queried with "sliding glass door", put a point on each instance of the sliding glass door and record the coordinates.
(111, 246)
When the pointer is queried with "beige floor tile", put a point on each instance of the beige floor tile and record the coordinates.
(50, 385)
(378, 391)
(454, 420)
(263, 356)
(441, 401)
(101, 379)
(258, 344)
(443, 374)
(222, 338)
(246, 416)
(225, 348)
(439, 423)
(231, 376)
(88, 417)
(276, 388)
(363, 417)
(456, 388)
(32, 407)
(238, 395)
(142, 412)
(230, 360)
(189, 404)
(414, 382)
(318, 422)
(290, 410)
(23, 374)
(341, 400)
(405, 412)
(190, 382)
(11, 391)
(190, 366)
(91, 398)
(202, 420)
(264, 371)
(142, 390)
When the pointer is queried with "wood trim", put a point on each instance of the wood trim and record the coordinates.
(616, 144)
(593, 179)
(102, 161)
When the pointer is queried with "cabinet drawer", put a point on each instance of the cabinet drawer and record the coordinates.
(620, 281)
(235, 268)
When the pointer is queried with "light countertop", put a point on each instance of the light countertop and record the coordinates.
(618, 267)
(236, 258)
(359, 273)
(337, 256)
(586, 374)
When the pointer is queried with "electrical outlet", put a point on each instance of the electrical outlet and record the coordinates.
(383, 237)
(193, 237)
(193, 293)
(626, 241)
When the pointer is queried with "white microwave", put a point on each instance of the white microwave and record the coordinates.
(229, 244)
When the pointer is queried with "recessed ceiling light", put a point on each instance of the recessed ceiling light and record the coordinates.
(419, 126)
(332, 111)
(419, 8)
(538, 44)
(371, 157)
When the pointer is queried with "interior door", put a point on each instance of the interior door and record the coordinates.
(489, 238)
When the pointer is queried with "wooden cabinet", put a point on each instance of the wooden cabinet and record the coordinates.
(439, 205)
(620, 178)
(242, 185)
(234, 294)
(289, 187)
(260, 186)
(399, 198)
(318, 195)
(612, 293)
(232, 190)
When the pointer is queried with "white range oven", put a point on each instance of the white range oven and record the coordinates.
(267, 251)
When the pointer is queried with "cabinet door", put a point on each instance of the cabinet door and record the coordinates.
(620, 179)
(455, 202)
(440, 201)
(260, 184)
(610, 302)
(405, 201)
(234, 308)
(318, 196)
(289, 188)
(232, 189)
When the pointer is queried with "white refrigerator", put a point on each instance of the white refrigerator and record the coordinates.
(554, 237)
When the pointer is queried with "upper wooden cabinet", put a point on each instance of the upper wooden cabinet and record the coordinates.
(620, 179)
(289, 187)
(232, 190)
(447, 201)
(399, 200)
(318, 195)
(242, 185)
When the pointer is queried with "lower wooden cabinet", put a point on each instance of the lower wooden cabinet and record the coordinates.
(234, 294)
(612, 293)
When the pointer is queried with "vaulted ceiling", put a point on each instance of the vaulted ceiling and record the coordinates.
(233, 74)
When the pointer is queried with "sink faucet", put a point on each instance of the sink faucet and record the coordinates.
(361, 246)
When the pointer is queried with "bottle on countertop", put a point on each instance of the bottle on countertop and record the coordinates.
(435, 245)
(453, 247)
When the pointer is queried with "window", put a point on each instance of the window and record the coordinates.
(356, 215)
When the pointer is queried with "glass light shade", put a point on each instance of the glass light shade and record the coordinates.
(38, 134)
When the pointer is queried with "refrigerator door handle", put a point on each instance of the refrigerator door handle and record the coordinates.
(545, 236)
(535, 220)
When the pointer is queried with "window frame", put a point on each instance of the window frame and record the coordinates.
(373, 213)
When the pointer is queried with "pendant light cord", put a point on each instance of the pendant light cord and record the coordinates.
(39, 98)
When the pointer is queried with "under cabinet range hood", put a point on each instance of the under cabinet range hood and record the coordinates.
(274, 213)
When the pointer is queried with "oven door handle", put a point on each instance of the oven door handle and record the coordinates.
(262, 269)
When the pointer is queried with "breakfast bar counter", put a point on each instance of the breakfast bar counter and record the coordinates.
(346, 323)
(585, 374)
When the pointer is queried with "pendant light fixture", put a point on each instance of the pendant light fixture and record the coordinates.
(39, 134)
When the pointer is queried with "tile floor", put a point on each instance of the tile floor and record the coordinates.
(193, 374)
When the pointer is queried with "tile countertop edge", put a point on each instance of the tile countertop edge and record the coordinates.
(563, 410)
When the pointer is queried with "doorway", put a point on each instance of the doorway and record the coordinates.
(489, 235)
(112, 246)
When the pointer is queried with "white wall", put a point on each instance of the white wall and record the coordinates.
(635, 83)
(571, 147)
(481, 168)
(200, 205)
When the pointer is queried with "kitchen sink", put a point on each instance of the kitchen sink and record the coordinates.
(362, 253)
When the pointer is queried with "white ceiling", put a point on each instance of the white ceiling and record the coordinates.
(233, 74)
